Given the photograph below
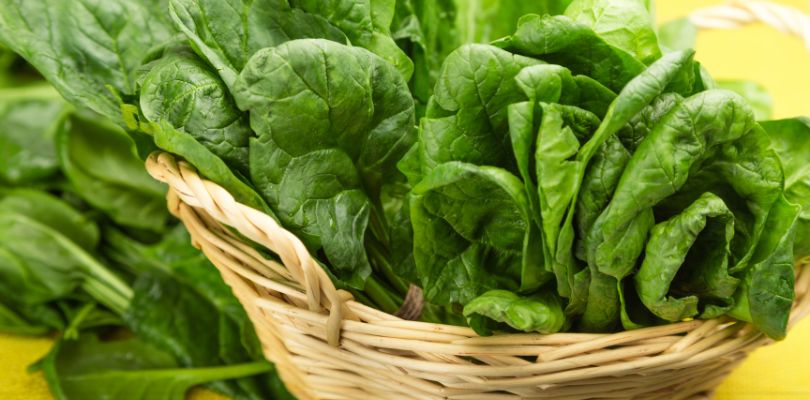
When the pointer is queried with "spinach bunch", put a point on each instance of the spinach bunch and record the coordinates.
(573, 174)
(88, 250)
(318, 152)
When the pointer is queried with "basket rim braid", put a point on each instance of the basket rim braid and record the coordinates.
(325, 345)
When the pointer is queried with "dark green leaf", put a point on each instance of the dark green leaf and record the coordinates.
(88, 49)
(791, 140)
(182, 306)
(127, 369)
(28, 121)
(467, 117)
(541, 313)
(686, 261)
(625, 24)
(328, 139)
(470, 224)
(561, 40)
(191, 97)
(766, 295)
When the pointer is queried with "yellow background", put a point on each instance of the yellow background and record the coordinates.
(779, 62)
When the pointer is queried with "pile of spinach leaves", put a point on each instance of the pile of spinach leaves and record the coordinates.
(89, 254)
(579, 172)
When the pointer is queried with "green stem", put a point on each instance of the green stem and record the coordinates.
(114, 300)
(379, 258)
(100, 282)
(202, 375)
(95, 269)
(37, 92)
(72, 330)
(381, 296)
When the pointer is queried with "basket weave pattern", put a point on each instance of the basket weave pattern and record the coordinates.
(328, 346)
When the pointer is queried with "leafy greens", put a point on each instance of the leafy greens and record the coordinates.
(578, 171)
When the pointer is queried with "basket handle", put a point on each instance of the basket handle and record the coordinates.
(735, 14)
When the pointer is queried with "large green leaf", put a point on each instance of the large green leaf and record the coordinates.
(470, 224)
(28, 121)
(228, 33)
(502, 310)
(44, 261)
(766, 294)
(89, 50)
(685, 267)
(467, 117)
(327, 140)
(561, 40)
(625, 24)
(690, 138)
(182, 306)
(127, 369)
(791, 140)
(100, 162)
(187, 94)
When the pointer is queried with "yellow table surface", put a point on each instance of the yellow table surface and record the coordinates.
(780, 63)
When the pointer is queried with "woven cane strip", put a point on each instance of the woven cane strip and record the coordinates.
(740, 13)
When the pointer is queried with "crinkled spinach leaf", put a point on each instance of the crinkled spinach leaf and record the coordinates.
(328, 138)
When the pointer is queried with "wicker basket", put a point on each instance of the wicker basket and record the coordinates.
(328, 346)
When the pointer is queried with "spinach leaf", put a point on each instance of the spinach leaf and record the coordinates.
(608, 164)
(598, 185)
(182, 90)
(542, 313)
(131, 369)
(467, 117)
(689, 138)
(207, 326)
(427, 33)
(100, 161)
(12, 322)
(228, 33)
(687, 151)
(625, 24)
(686, 262)
(327, 140)
(207, 163)
(28, 120)
(556, 169)
(464, 246)
(487, 20)
(640, 125)
(41, 257)
(632, 99)
(556, 84)
(561, 40)
(88, 49)
(766, 294)
(366, 23)
(789, 138)
(46, 209)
